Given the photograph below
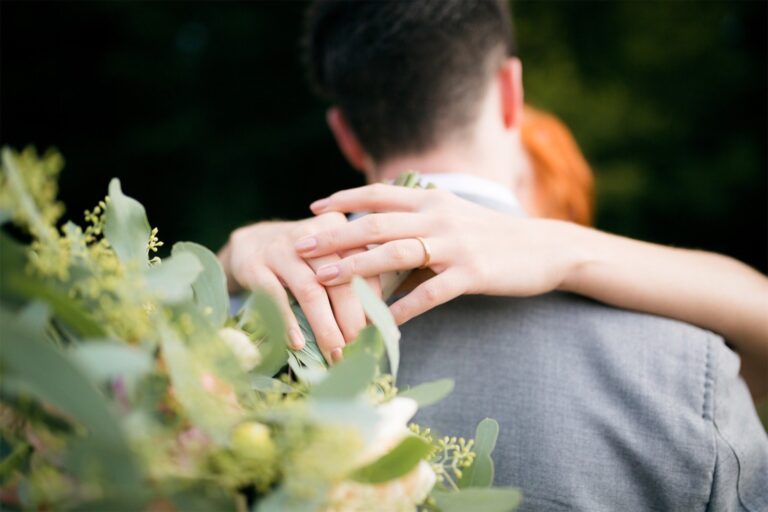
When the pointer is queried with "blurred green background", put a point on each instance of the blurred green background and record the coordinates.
(203, 110)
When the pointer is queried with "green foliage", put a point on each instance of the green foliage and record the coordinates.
(210, 287)
(126, 226)
(171, 281)
(34, 207)
(66, 311)
(368, 340)
(430, 392)
(127, 385)
(481, 472)
(37, 368)
(397, 462)
(449, 458)
(488, 500)
(105, 360)
(209, 402)
(309, 356)
(273, 346)
(347, 379)
(379, 315)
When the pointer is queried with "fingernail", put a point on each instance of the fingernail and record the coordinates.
(336, 355)
(327, 272)
(306, 244)
(320, 204)
(297, 340)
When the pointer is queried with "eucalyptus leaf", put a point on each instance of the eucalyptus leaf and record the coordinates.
(14, 393)
(310, 350)
(11, 463)
(171, 281)
(280, 500)
(64, 308)
(31, 214)
(201, 496)
(207, 408)
(379, 315)
(368, 340)
(430, 392)
(13, 260)
(115, 502)
(126, 226)
(308, 365)
(498, 499)
(274, 350)
(348, 378)
(52, 377)
(308, 374)
(397, 462)
(311, 358)
(104, 360)
(206, 344)
(35, 316)
(210, 286)
(481, 472)
(13, 256)
(357, 413)
(265, 384)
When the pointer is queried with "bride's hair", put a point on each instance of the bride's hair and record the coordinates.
(563, 187)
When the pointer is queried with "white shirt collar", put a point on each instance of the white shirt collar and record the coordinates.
(475, 186)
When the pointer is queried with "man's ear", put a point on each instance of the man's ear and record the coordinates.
(510, 78)
(346, 139)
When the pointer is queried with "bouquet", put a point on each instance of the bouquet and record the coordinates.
(128, 385)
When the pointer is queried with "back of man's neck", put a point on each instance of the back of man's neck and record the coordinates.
(506, 167)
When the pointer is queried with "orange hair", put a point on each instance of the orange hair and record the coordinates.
(563, 182)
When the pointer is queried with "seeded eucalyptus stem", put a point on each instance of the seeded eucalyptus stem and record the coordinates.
(36, 223)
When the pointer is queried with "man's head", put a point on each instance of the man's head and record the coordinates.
(406, 76)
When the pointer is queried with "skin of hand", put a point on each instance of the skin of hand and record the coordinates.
(262, 256)
(476, 250)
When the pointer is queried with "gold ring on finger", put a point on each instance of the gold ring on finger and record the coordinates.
(427, 253)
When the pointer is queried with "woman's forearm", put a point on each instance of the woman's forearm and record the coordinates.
(704, 289)
(479, 251)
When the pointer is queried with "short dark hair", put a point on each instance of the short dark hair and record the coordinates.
(405, 73)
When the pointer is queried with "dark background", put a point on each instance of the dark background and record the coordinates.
(202, 109)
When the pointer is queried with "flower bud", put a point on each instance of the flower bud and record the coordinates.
(238, 342)
(252, 440)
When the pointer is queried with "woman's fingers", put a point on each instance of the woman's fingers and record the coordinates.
(392, 256)
(269, 282)
(371, 229)
(347, 310)
(433, 292)
(315, 304)
(371, 198)
(374, 281)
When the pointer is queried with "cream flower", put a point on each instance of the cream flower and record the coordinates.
(242, 346)
(399, 495)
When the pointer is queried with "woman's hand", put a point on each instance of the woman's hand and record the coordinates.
(262, 256)
(474, 250)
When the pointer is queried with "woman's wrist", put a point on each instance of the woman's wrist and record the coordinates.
(580, 252)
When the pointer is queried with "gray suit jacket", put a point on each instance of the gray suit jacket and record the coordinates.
(600, 409)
